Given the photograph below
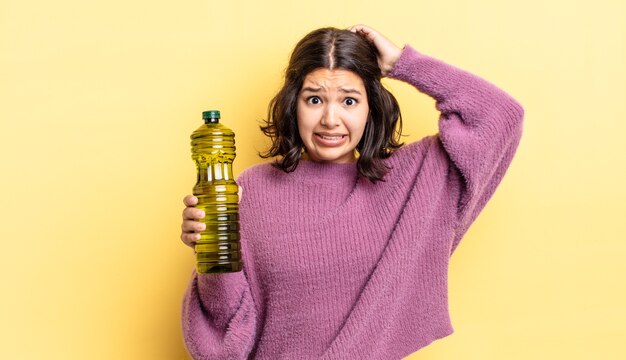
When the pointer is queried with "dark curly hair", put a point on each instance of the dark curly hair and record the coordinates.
(333, 48)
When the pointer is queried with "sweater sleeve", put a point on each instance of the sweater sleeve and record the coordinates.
(480, 127)
(218, 316)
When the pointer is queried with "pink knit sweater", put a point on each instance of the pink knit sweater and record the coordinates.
(336, 267)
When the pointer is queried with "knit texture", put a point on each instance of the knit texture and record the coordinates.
(337, 267)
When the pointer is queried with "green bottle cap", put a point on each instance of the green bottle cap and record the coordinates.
(211, 116)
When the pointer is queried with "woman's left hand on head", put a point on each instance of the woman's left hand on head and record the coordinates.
(388, 52)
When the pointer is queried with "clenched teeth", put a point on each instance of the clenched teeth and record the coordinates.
(332, 138)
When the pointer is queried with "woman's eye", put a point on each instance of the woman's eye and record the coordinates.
(314, 100)
(350, 101)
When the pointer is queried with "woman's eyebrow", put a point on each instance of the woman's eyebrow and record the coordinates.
(311, 89)
(350, 91)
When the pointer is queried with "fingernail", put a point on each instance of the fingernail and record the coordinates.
(201, 227)
(200, 214)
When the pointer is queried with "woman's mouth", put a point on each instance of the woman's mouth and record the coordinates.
(330, 139)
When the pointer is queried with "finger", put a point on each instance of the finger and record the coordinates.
(190, 239)
(190, 200)
(364, 31)
(190, 226)
(191, 213)
(359, 27)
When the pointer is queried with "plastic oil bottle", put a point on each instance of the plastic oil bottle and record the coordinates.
(213, 151)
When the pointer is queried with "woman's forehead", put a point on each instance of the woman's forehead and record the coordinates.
(326, 79)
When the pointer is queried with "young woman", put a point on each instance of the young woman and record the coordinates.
(346, 237)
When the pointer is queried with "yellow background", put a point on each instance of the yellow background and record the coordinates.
(98, 99)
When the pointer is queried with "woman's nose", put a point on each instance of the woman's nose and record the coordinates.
(330, 117)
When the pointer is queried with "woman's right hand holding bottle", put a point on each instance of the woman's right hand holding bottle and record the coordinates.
(191, 227)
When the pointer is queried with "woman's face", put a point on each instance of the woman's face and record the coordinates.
(332, 113)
